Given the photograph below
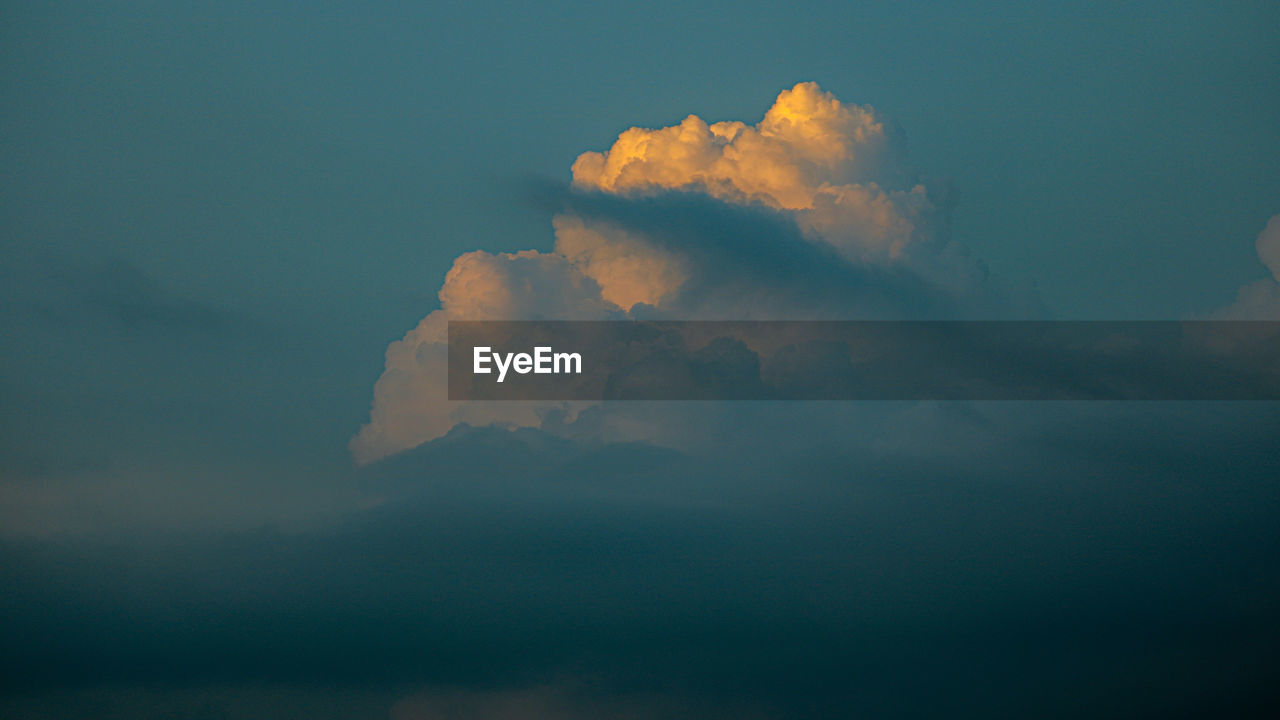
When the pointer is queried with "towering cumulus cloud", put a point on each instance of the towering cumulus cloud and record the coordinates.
(812, 212)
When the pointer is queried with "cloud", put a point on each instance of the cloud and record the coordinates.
(806, 141)
(836, 168)
(628, 268)
(1260, 300)
(410, 403)
(826, 561)
(811, 213)
(1268, 245)
(561, 701)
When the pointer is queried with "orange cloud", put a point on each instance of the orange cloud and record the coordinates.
(834, 165)
(832, 168)
(807, 139)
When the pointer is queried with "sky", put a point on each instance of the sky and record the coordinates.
(231, 233)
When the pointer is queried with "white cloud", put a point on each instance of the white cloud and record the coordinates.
(410, 400)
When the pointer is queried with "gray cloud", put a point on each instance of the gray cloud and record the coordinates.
(815, 572)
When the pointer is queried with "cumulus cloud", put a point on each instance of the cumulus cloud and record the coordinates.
(410, 400)
(837, 167)
(628, 268)
(805, 142)
(811, 213)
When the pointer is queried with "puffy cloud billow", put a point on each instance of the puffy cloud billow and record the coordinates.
(811, 213)
(410, 403)
(835, 167)
(1260, 300)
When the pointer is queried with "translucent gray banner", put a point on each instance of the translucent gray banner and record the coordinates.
(864, 360)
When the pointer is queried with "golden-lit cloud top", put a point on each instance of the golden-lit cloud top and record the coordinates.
(835, 165)
(832, 171)
(806, 141)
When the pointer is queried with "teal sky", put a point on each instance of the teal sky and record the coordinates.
(303, 180)
(1119, 155)
(215, 217)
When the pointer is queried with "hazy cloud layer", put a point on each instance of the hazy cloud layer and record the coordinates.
(897, 559)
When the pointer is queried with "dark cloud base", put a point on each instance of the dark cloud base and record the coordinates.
(1100, 561)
